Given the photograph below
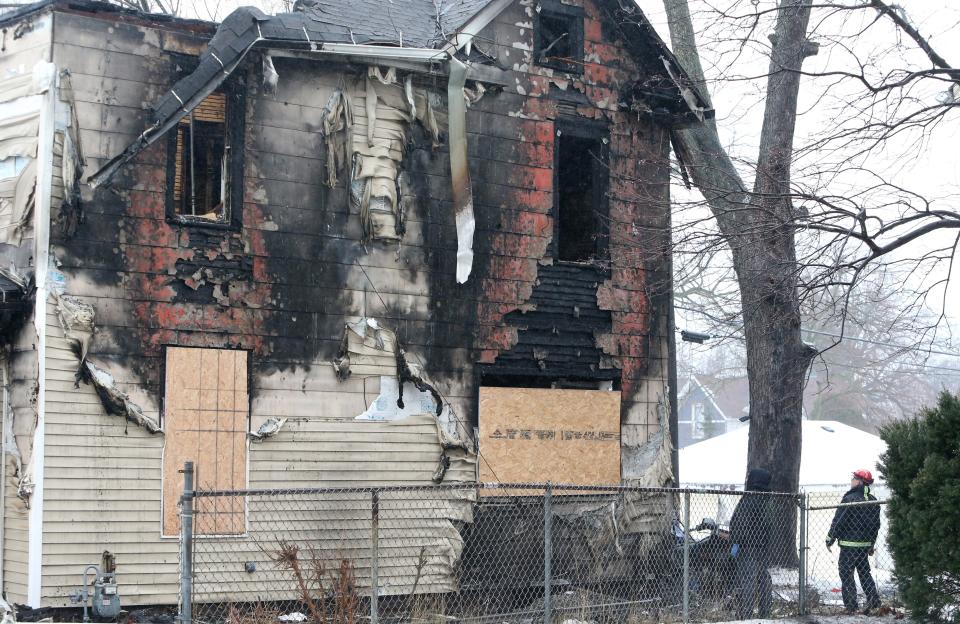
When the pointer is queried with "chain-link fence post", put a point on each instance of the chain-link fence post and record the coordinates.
(802, 581)
(686, 556)
(186, 546)
(547, 551)
(374, 555)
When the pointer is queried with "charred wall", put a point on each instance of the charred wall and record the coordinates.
(284, 283)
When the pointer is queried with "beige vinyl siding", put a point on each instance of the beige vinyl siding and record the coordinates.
(101, 490)
(22, 390)
(22, 53)
(103, 487)
(344, 453)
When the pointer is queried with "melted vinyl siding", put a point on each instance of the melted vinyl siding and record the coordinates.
(103, 491)
(23, 381)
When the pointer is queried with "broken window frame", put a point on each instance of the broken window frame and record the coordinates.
(553, 10)
(234, 139)
(584, 129)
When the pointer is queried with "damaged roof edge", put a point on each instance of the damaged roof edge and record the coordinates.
(188, 101)
(698, 104)
(247, 27)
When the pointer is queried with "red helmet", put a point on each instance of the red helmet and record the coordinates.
(863, 475)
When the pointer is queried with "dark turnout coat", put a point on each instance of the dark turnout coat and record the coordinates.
(750, 524)
(856, 527)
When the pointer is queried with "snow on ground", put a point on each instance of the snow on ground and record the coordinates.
(825, 619)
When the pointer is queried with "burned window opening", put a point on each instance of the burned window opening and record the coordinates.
(205, 158)
(558, 37)
(580, 198)
(500, 380)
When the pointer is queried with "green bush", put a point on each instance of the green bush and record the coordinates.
(922, 468)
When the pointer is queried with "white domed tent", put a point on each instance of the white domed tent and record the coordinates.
(831, 452)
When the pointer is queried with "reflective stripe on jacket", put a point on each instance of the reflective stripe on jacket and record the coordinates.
(856, 527)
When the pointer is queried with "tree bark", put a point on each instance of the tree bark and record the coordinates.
(757, 226)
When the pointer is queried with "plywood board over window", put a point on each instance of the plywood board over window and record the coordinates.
(206, 410)
(538, 435)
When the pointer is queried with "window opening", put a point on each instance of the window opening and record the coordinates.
(558, 37)
(202, 163)
(697, 420)
(580, 178)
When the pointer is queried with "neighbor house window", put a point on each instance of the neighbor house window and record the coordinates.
(580, 194)
(558, 36)
(697, 421)
(205, 163)
(205, 420)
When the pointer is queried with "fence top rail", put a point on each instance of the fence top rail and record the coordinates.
(506, 488)
(853, 504)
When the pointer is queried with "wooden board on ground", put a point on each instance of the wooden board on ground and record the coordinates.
(538, 435)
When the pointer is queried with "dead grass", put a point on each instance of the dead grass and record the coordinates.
(329, 595)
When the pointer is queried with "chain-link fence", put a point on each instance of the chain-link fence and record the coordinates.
(857, 532)
(493, 553)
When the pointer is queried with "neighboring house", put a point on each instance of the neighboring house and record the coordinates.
(237, 245)
(704, 412)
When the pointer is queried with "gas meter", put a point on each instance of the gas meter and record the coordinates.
(102, 598)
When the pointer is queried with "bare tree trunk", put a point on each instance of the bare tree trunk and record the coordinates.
(758, 228)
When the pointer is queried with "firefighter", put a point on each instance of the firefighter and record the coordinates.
(750, 535)
(856, 528)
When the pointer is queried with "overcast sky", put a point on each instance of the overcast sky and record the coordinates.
(931, 168)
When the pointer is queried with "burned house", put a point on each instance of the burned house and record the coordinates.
(320, 248)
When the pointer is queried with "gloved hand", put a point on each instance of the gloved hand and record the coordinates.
(734, 550)
(870, 552)
(829, 541)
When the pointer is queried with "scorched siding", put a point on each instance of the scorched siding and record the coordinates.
(284, 285)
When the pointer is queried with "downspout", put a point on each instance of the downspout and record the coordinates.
(4, 368)
(460, 168)
(45, 74)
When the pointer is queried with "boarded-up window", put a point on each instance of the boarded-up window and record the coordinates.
(202, 163)
(206, 407)
(538, 435)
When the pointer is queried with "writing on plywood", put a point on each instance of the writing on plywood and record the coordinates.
(537, 435)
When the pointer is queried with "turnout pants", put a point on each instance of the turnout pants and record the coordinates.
(856, 559)
(753, 586)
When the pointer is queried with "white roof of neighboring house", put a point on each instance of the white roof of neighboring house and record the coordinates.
(831, 452)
